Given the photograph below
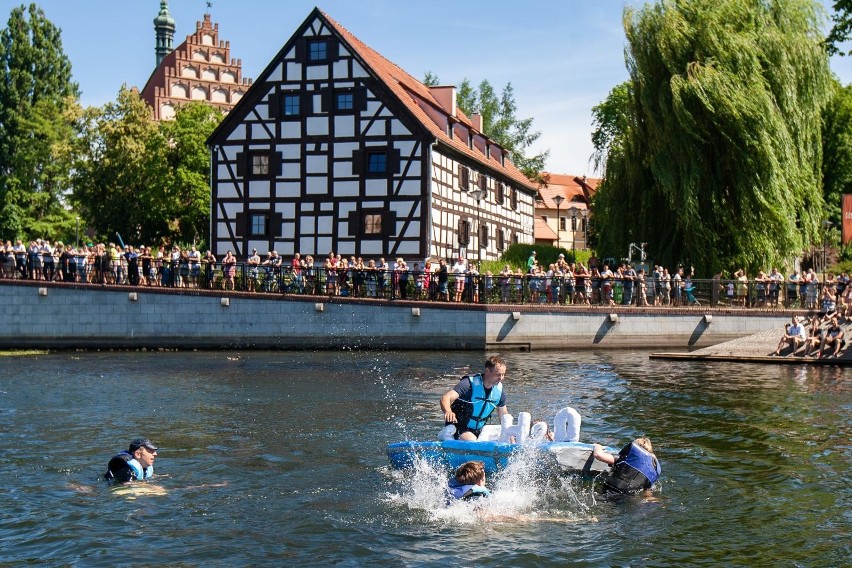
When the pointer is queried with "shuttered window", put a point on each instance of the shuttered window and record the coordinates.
(464, 178)
(317, 50)
(376, 162)
(464, 232)
(372, 223)
(291, 105)
(483, 185)
(258, 164)
(254, 223)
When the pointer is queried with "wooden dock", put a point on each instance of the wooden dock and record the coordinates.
(758, 348)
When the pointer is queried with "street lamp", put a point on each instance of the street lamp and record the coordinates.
(478, 194)
(826, 226)
(558, 199)
(77, 234)
(585, 213)
(573, 211)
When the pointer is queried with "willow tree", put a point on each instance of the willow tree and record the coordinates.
(716, 156)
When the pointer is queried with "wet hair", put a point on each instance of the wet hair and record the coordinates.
(493, 361)
(644, 442)
(470, 473)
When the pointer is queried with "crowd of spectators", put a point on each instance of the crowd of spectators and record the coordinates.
(561, 282)
(107, 264)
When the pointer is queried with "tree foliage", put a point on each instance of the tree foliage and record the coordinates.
(842, 30)
(500, 121)
(145, 180)
(713, 150)
(611, 120)
(38, 112)
(187, 180)
(837, 150)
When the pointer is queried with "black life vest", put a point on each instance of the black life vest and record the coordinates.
(123, 467)
(635, 469)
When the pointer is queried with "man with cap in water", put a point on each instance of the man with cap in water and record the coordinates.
(137, 463)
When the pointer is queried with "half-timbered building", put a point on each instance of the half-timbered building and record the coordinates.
(335, 148)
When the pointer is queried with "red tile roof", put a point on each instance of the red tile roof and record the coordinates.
(542, 230)
(576, 190)
(414, 94)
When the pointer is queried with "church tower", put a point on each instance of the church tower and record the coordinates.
(164, 26)
(199, 69)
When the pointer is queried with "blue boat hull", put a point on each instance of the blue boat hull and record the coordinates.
(572, 457)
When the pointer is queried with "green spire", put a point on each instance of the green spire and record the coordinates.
(164, 26)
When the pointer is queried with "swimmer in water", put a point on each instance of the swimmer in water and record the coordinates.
(468, 482)
(634, 469)
(135, 464)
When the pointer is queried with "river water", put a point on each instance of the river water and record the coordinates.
(278, 458)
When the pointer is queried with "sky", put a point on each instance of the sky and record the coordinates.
(562, 57)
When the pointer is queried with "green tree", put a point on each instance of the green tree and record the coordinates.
(500, 121)
(837, 150)
(611, 120)
(145, 180)
(842, 29)
(430, 79)
(38, 111)
(187, 181)
(717, 158)
(120, 161)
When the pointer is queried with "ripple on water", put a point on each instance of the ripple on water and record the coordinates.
(279, 458)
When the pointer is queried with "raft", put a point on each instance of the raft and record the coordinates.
(498, 443)
(568, 457)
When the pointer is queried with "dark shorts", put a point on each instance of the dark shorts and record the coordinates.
(462, 429)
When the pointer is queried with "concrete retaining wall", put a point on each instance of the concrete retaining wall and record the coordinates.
(86, 316)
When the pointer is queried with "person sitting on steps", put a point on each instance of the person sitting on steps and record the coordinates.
(833, 337)
(794, 336)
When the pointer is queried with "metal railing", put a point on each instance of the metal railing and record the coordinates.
(579, 290)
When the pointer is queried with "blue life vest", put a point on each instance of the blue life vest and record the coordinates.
(124, 467)
(459, 491)
(481, 406)
(635, 469)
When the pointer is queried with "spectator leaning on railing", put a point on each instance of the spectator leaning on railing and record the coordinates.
(558, 283)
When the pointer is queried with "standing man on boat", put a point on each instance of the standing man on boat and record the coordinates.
(470, 403)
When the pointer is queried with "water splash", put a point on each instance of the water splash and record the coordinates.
(526, 490)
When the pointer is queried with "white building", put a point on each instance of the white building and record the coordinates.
(335, 148)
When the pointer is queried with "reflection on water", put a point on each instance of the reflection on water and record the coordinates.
(278, 458)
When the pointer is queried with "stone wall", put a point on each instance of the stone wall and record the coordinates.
(86, 316)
